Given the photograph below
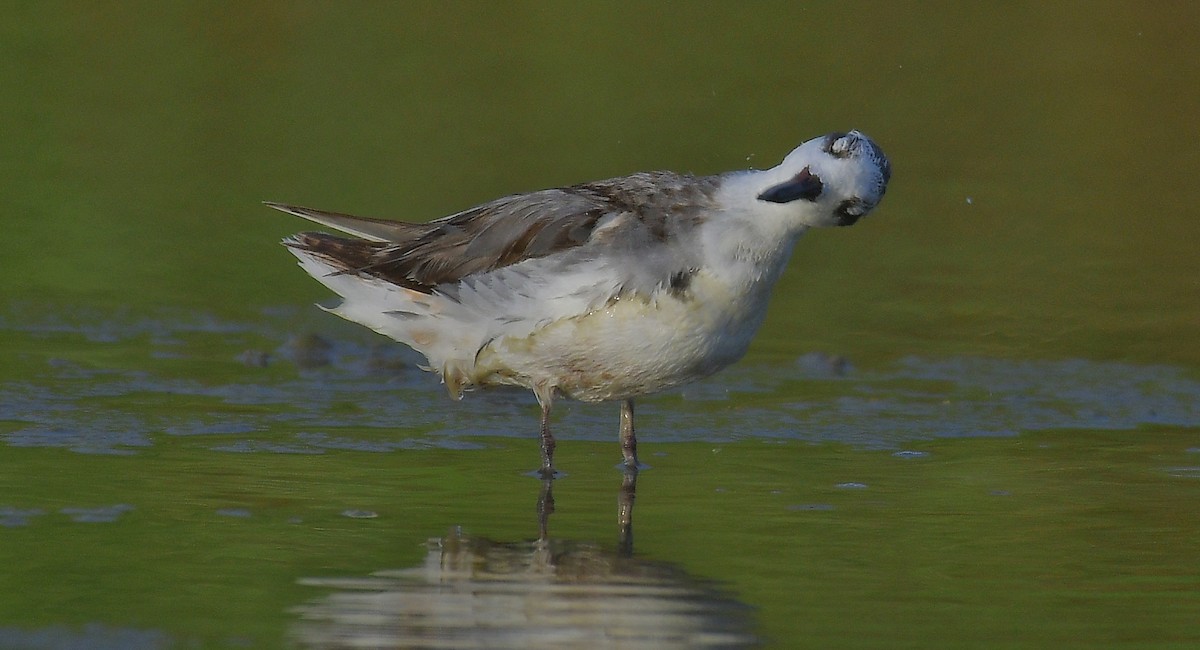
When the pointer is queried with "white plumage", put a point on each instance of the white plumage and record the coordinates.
(601, 291)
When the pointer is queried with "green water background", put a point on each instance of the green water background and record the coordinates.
(1043, 207)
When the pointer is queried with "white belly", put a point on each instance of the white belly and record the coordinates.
(632, 346)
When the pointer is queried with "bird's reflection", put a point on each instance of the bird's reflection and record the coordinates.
(550, 593)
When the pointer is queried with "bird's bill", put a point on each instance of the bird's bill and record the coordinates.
(805, 185)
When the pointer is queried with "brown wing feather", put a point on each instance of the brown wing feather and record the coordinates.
(365, 227)
(515, 228)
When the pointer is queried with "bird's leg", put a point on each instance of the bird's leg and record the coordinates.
(545, 398)
(628, 439)
(548, 445)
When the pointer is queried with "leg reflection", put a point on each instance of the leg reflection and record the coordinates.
(625, 500)
(545, 508)
(475, 592)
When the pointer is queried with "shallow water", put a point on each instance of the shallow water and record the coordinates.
(972, 420)
(315, 388)
(208, 469)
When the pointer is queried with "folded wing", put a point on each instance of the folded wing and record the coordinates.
(634, 212)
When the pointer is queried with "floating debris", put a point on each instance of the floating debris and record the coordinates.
(810, 507)
(11, 517)
(241, 513)
(100, 515)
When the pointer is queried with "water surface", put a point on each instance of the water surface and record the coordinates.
(971, 420)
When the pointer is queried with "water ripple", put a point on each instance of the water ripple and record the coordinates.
(367, 396)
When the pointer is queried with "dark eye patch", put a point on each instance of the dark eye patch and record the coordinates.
(850, 210)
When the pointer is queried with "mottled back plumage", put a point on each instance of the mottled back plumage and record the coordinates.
(657, 205)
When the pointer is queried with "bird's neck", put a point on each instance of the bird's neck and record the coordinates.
(752, 240)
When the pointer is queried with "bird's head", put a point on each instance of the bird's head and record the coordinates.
(833, 180)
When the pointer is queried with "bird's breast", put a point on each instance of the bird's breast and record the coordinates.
(633, 345)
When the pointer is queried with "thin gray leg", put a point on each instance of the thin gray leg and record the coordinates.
(548, 444)
(628, 439)
(545, 397)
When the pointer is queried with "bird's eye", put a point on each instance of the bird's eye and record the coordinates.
(849, 210)
(836, 145)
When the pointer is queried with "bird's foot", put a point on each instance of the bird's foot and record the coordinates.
(546, 474)
(635, 466)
